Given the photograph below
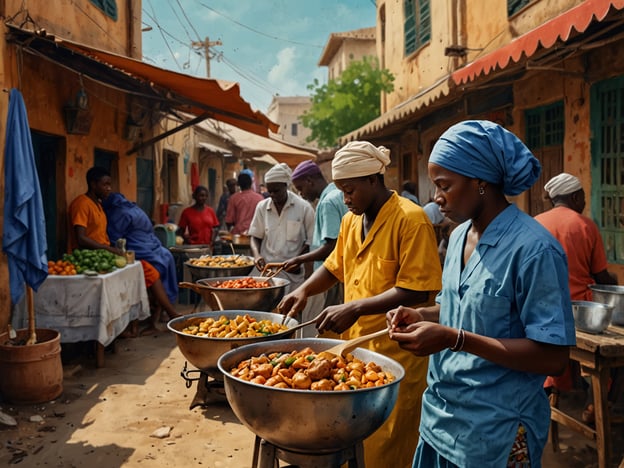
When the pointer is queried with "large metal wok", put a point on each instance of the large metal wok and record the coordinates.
(264, 299)
(308, 421)
(203, 351)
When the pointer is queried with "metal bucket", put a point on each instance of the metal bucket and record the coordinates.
(612, 295)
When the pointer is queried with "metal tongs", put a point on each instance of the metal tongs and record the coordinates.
(271, 269)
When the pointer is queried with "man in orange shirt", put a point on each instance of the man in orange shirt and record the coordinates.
(587, 262)
(578, 235)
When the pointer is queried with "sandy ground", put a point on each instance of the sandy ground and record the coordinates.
(107, 418)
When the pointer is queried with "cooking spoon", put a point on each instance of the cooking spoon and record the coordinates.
(349, 345)
(302, 324)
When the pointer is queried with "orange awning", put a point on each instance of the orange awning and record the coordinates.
(218, 99)
(559, 28)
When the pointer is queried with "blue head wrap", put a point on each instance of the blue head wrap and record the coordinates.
(480, 149)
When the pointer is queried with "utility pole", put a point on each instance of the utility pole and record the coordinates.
(206, 46)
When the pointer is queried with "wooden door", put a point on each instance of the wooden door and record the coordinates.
(551, 158)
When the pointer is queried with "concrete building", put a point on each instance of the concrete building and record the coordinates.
(287, 112)
(343, 48)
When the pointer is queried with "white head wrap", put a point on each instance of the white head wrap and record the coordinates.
(563, 184)
(278, 173)
(359, 159)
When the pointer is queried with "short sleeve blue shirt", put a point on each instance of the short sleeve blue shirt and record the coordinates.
(515, 285)
(329, 212)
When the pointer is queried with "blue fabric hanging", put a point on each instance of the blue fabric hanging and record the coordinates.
(24, 230)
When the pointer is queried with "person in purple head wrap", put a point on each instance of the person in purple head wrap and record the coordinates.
(503, 319)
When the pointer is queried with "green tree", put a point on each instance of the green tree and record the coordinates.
(346, 103)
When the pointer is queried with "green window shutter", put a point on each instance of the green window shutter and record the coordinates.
(409, 26)
(424, 23)
(545, 126)
(607, 151)
(417, 25)
(514, 6)
(109, 7)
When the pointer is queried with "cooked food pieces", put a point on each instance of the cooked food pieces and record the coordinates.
(306, 370)
(224, 261)
(238, 327)
(242, 283)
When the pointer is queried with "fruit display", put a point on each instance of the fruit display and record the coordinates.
(61, 267)
(93, 262)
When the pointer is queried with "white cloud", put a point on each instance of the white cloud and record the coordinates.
(282, 74)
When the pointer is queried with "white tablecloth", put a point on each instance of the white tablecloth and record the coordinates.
(84, 308)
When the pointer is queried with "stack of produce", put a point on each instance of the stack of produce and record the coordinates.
(92, 262)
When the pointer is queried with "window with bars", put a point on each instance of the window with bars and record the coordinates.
(513, 6)
(545, 126)
(109, 7)
(417, 26)
(607, 201)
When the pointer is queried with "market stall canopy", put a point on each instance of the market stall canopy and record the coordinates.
(253, 145)
(217, 99)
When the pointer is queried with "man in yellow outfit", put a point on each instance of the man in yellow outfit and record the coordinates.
(386, 255)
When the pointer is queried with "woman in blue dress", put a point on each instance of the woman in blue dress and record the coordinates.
(503, 320)
(127, 220)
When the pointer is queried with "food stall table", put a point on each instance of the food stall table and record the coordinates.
(99, 308)
(597, 355)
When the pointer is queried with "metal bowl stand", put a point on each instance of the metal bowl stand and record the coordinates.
(266, 455)
(210, 388)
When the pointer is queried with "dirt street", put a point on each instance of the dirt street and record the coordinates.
(107, 418)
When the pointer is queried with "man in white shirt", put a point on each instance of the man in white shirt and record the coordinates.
(282, 226)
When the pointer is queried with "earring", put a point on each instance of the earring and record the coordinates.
(481, 190)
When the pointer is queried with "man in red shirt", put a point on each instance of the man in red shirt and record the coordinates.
(242, 206)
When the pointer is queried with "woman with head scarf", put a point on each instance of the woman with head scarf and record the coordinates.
(503, 320)
(385, 255)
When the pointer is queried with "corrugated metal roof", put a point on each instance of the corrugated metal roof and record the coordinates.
(559, 28)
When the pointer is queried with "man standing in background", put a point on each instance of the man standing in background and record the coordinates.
(242, 206)
(230, 189)
(282, 226)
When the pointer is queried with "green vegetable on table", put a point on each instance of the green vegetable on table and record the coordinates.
(89, 261)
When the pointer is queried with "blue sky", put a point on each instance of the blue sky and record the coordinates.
(269, 46)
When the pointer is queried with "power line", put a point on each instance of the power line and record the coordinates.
(160, 29)
(189, 21)
(257, 31)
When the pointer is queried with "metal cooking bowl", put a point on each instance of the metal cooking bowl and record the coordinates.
(199, 272)
(250, 298)
(612, 295)
(304, 420)
(591, 317)
(203, 351)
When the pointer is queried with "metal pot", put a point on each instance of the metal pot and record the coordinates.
(203, 351)
(201, 272)
(591, 317)
(612, 295)
(265, 299)
(309, 421)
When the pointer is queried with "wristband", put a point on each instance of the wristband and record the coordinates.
(459, 344)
